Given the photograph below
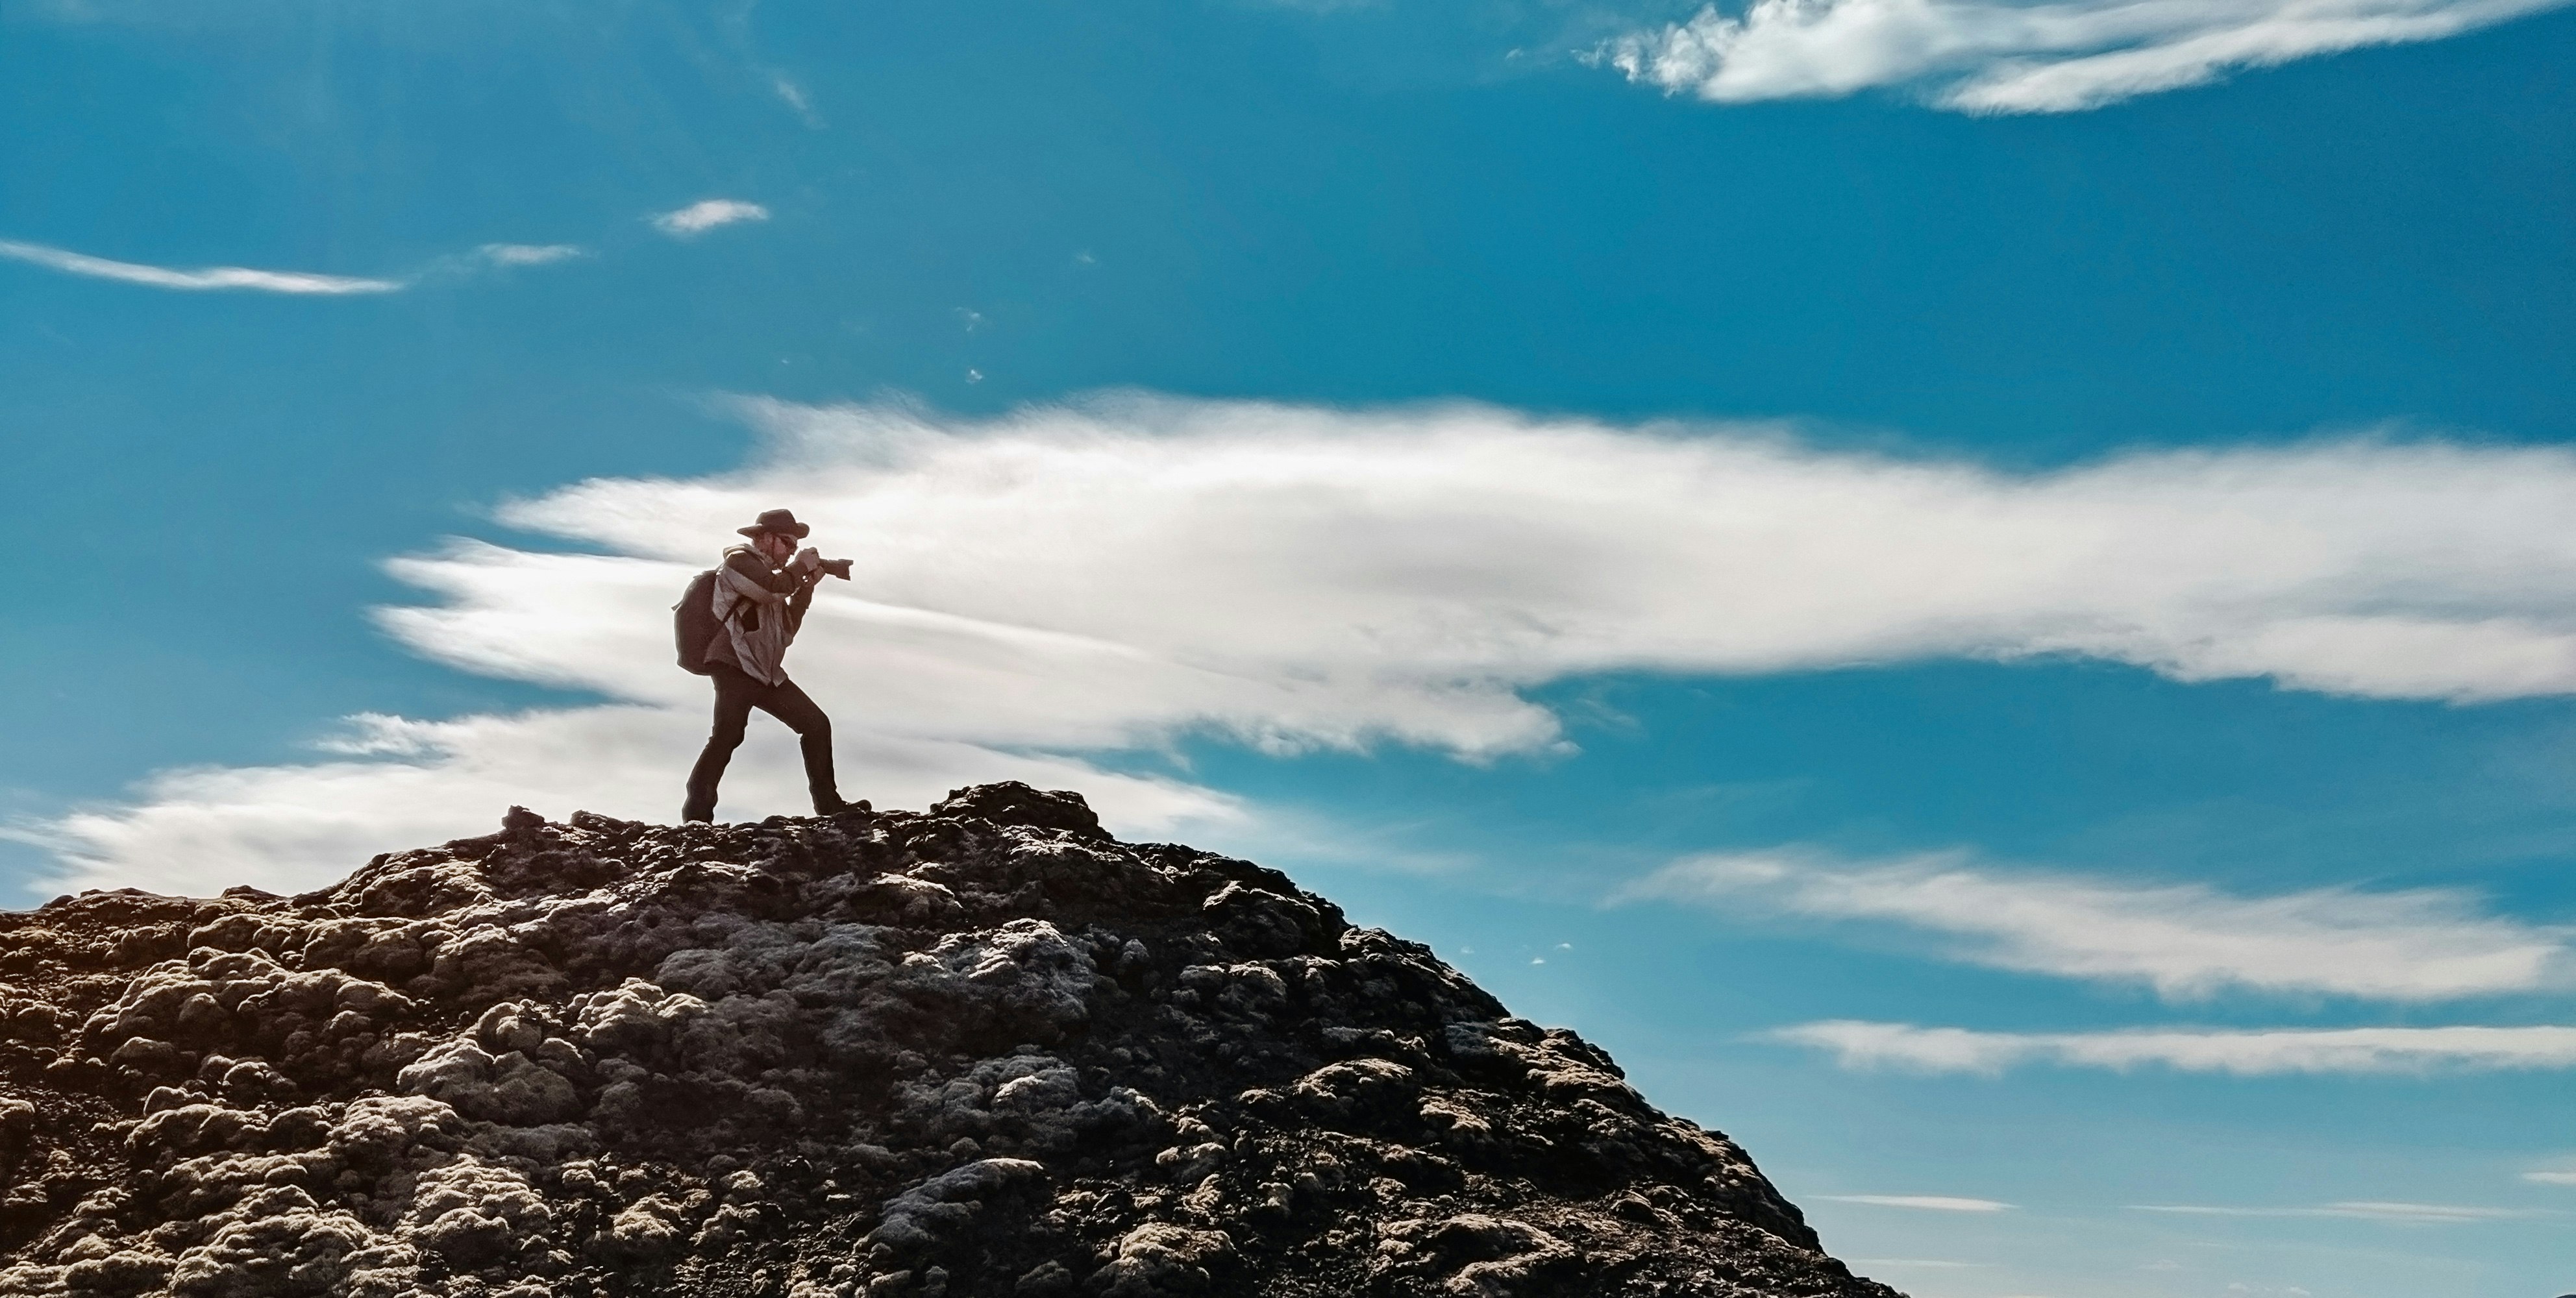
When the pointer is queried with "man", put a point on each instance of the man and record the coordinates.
(762, 590)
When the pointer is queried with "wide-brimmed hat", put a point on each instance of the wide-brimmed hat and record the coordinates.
(777, 520)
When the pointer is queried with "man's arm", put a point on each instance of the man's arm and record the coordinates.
(754, 579)
(798, 603)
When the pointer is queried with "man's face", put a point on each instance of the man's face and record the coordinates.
(778, 546)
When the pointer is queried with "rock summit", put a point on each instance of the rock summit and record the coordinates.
(986, 1051)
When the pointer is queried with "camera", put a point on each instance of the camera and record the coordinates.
(810, 566)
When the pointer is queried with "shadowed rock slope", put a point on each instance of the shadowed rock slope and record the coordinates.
(986, 1050)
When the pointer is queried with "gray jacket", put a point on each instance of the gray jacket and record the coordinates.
(760, 607)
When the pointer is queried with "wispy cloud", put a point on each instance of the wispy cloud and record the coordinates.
(395, 783)
(2253, 1053)
(2184, 940)
(203, 279)
(1992, 56)
(2551, 1178)
(528, 254)
(1429, 560)
(485, 258)
(1113, 575)
(707, 214)
(1922, 1203)
(2363, 1210)
(794, 96)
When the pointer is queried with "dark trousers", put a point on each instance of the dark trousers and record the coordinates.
(736, 695)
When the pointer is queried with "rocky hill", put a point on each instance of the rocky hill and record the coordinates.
(986, 1050)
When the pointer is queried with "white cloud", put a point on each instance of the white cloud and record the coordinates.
(794, 96)
(2421, 1213)
(2184, 940)
(483, 258)
(2252, 1053)
(1923, 1203)
(699, 217)
(1401, 572)
(2550, 1178)
(528, 254)
(1115, 575)
(1992, 56)
(398, 783)
(200, 280)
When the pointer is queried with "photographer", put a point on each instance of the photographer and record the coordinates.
(760, 593)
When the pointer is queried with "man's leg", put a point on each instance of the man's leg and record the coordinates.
(813, 735)
(734, 694)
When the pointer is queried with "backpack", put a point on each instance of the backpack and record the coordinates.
(693, 623)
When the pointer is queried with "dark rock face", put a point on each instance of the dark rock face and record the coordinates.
(984, 1051)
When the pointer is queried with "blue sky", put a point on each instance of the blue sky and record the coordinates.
(1985, 599)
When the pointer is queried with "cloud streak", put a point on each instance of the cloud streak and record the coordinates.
(490, 256)
(707, 214)
(1922, 1202)
(2356, 1210)
(2255, 1053)
(529, 254)
(1987, 56)
(1115, 575)
(206, 279)
(2184, 940)
(393, 783)
(1399, 573)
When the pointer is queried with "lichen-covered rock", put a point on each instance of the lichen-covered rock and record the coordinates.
(984, 1052)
